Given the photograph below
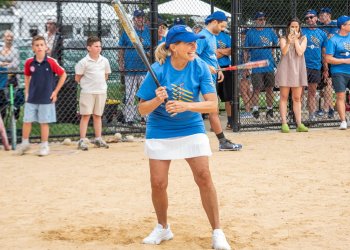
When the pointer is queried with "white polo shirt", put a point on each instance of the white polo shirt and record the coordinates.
(93, 74)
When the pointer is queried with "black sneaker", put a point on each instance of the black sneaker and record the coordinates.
(331, 113)
(227, 145)
(256, 114)
(269, 114)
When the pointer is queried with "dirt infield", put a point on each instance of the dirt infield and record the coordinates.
(282, 191)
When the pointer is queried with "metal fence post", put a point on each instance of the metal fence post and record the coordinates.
(99, 20)
(234, 58)
(154, 28)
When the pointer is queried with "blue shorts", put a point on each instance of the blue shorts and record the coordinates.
(42, 113)
(340, 82)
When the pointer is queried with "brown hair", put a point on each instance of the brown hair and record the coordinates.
(295, 19)
(38, 38)
(92, 39)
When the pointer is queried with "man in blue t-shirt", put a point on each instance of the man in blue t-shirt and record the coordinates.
(338, 55)
(316, 42)
(206, 50)
(131, 62)
(325, 19)
(262, 78)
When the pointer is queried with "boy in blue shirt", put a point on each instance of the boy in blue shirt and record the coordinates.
(40, 94)
(262, 78)
(338, 55)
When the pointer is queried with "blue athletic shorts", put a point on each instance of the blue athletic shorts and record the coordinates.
(41, 113)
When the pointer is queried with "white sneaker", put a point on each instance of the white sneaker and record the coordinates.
(158, 235)
(343, 125)
(219, 241)
(44, 150)
(22, 148)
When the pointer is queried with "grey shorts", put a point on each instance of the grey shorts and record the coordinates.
(264, 80)
(41, 113)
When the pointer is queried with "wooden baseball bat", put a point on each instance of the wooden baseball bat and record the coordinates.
(249, 65)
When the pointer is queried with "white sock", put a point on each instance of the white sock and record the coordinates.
(25, 141)
(255, 108)
(45, 143)
(268, 108)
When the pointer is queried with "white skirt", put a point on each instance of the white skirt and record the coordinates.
(178, 148)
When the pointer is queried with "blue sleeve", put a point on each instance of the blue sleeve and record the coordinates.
(330, 48)
(201, 44)
(228, 41)
(206, 81)
(147, 90)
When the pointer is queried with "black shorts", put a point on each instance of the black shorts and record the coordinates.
(313, 76)
(264, 80)
(224, 88)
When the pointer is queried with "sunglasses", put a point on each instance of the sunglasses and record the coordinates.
(261, 19)
(309, 17)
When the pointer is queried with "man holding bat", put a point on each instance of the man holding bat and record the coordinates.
(206, 50)
(131, 62)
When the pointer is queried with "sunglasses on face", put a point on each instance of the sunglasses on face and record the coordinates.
(309, 17)
(261, 19)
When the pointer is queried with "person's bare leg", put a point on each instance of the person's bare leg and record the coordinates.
(44, 130)
(215, 122)
(26, 129)
(245, 93)
(341, 105)
(328, 95)
(311, 98)
(202, 177)
(97, 121)
(159, 170)
(84, 122)
(296, 96)
(284, 93)
(269, 96)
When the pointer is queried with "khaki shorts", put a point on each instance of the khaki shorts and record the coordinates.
(92, 103)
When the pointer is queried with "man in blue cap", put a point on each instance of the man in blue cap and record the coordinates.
(325, 18)
(206, 50)
(262, 78)
(129, 60)
(314, 53)
(338, 55)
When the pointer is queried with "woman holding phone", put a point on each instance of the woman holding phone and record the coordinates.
(291, 73)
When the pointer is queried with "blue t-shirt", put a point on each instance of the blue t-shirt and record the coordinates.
(330, 31)
(132, 61)
(259, 38)
(206, 48)
(339, 47)
(223, 41)
(316, 40)
(184, 85)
